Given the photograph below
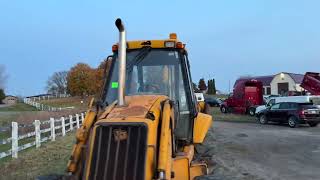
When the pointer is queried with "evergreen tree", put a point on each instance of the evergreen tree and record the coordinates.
(202, 85)
(214, 86)
(211, 87)
(2, 95)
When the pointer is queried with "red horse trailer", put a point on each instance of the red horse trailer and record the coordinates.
(247, 95)
(311, 82)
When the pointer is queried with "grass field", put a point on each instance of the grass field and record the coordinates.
(68, 102)
(219, 116)
(18, 107)
(51, 158)
(10, 113)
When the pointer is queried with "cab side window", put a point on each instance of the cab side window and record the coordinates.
(274, 107)
(293, 106)
(271, 102)
(284, 106)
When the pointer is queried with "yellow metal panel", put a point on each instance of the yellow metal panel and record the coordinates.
(165, 142)
(148, 103)
(150, 43)
(201, 106)
(198, 169)
(201, 126)
(181, 168)
(91, 143)
(150, 164)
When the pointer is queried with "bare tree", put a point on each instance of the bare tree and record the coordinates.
(57, 83)
(3, 76)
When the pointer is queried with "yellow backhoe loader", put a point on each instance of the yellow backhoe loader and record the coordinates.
(148, 121)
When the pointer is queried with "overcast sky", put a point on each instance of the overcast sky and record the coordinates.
(225, 39)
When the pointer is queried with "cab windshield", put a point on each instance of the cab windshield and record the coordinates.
(150, 71)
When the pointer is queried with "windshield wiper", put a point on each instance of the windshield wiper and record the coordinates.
(139, 57)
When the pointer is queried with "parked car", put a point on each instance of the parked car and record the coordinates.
(292, 113)
(298, 99)
(213, 102)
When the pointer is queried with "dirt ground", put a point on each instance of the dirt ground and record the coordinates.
(248, 151)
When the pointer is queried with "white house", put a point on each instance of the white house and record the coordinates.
(280, 84)
(283, 83)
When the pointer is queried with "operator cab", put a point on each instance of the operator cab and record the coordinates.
(155, 70)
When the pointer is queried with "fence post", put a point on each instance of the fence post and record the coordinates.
(14, 140)
(63, 124)
(77, 119)
(38, 133)
(71, 122)
(53, 134)
(82, 118)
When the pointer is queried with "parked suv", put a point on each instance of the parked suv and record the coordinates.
(213, 101)
(291, 113)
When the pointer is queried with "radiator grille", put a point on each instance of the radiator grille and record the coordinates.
(119, 152)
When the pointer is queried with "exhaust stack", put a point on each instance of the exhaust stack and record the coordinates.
(122, 62)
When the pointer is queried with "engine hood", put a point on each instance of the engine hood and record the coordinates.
(136, 106)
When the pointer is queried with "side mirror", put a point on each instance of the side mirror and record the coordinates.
(201, 126)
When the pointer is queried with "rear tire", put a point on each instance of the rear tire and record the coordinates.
(313, 124)
(252, 111)
(292, 121)
(263, 119)
(223, 109)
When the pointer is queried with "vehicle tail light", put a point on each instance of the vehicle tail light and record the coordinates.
(301, 113)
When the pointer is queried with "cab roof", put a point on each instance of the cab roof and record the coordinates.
(172, 42)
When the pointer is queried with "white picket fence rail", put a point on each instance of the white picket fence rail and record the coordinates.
(66, 124)
(44, 107)
(47, 97)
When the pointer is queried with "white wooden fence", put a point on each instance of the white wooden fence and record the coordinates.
(66, 124)
(43, 107)
(47, 97)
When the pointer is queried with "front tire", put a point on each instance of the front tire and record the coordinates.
(223, 109)
(252, 111)
(292, 121)
(263, 119)
(313, 124)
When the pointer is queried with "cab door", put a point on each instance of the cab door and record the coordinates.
(283, 111)
(274, 112)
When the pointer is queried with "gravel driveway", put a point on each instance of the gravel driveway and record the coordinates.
(253, 151)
